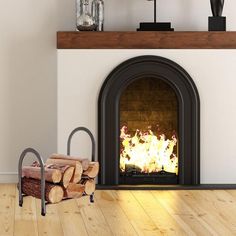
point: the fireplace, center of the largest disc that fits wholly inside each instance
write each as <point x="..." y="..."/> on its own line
<point x="149" y="125"/>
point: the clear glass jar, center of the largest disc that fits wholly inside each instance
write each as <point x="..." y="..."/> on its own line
<point x="98" y="13"/>
<point x="85" y="21"/>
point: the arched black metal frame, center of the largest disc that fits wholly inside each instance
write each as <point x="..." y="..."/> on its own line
<point x="188" y="120"/>
<point x="90" y="135"/>
<point x="78" y="129"/>
<point x="40" y="160"/>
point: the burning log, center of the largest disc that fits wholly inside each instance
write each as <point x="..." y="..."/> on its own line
<point x="74" y="191"/>
<point x="147" y="152"/>
<point x="32" y="187"/>
<point x="84" y="162"/>
<point x="92" y="170"/>
<point x="130" y="168"/>
<point x="73" y="163"/>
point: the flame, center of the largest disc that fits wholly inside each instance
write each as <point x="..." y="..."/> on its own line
<point x="148" y="152"/>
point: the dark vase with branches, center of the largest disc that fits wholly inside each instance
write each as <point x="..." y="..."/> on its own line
<point x="217" y="7"/>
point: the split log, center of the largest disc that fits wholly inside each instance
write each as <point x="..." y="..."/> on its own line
<point x="51" y="175"/>
<point x="89" y="186"/>
<point x="76" y="164"/>
<point x="74" y="191"/>
<point x="66" y="171"/>
<point x="54" y="173"/>
<point x="84" y="162"/>
<point x="93" y="170"/>
<point x="32" y="187"/>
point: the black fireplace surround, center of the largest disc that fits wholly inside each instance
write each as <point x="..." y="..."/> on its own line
<point x="188" y="116"/>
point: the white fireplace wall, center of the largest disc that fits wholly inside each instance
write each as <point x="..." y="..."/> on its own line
<point x="82" y="72"/>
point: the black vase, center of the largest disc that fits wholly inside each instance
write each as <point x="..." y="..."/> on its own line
<point x="217" y="7"/>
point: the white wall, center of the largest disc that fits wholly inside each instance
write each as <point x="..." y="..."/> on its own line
<point x="184" y="14"/>
<point x="28" y="62"/>
<point x="212" y="71"/>
<point x="28" y="77"/>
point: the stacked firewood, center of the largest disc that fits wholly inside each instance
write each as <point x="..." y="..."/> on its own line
<point x="66" y="177"/>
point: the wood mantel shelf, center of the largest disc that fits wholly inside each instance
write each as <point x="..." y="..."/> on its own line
<point x="146" y="40"/>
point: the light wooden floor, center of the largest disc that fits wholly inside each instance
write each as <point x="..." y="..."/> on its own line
<point x="122" y="213"/>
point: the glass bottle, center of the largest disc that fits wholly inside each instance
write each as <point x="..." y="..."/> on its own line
<point x="98" y="13"/>
<point x="78" y="11"/>
<point x="85" y="21"/>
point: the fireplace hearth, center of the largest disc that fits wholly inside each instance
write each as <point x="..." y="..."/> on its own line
<point x="149" y="125"/>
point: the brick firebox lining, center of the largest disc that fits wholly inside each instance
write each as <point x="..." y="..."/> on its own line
<point x="148" y="103"/>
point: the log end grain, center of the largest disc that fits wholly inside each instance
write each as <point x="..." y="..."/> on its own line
<point x="56" y="194"/>
<point x="93" y="170"/>
<point x="67" y="176"/>
<point x="89" y="186"/>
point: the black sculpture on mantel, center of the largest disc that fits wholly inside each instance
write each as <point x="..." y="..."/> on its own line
<point x="155" y="26"/>
<point x="217" y="22"/>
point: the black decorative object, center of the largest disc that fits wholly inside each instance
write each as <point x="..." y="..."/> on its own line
<point x="217" y="22"/>
<point x="188" y="116"/>
<point x="217" y="7"/>
<point x="155" y="26"/>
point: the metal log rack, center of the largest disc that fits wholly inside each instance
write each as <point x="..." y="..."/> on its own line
<point x="41" y="162"/>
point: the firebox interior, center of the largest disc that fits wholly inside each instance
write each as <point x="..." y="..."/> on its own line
<point x="149" y="132"/>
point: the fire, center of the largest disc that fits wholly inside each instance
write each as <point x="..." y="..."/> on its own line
<point x="148" y="152"/>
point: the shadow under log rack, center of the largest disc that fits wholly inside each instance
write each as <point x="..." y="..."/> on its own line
<point x="146" y="40"/>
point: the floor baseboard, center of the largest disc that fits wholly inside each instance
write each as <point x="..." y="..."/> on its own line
<point x="167" y="187"/>
<point x="8" y="177"/>
<point x="12" y="177"/>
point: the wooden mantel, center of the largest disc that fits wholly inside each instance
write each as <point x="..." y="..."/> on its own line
<point x="146" y="40"/>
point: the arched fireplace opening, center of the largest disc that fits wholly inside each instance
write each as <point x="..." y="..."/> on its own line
<point x="149" y="125"/>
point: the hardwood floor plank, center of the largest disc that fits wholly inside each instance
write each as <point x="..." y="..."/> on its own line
<point x="71" y="218"/>
<point x="232" y="193"/>
<point x="25" y="217"/>
<point x="94" y="220"/>
<point x="116" y="218"/>
<point x="142" y="223"/>
<point x="7" y="209"/>
<point x="183" y="213"/>
<point x="210" y="217"/>
<point x="163" y="220"/>
<point x="207" y="201"/>
<point x="50" y="224"/>
<point x="224" y="204"/>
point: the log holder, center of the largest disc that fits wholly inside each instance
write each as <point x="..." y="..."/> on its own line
<point x="41" y="162"/>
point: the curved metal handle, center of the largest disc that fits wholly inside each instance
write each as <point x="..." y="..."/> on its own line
<point x="22" y="156"/>
<point x="90" y="135"/>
